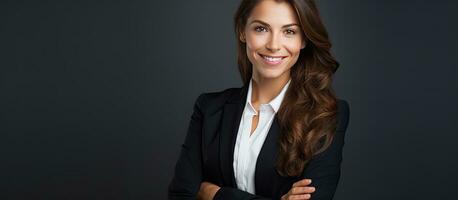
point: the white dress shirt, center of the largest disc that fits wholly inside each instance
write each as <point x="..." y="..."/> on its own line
<point x="247" y="147"/>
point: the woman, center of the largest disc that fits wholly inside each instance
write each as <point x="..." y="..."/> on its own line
<point x="281" y="135"/>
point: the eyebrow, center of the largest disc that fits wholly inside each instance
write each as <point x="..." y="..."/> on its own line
<point x="266" y="24"/>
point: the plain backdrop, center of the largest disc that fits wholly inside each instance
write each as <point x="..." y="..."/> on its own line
<point x="96" y="96"/>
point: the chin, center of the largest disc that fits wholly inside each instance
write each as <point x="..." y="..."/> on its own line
<point x="271" y="73"/>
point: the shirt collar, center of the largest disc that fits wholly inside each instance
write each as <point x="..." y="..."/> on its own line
<point x="274" y="103"/>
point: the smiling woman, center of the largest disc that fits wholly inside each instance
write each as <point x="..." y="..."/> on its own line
<point x="273" y="41"/>
<point x="281" y="135"/>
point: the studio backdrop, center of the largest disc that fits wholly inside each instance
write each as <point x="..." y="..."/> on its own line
<point x="96" y="96"/>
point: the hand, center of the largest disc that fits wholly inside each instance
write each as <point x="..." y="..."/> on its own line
<point x="300" y="190"/>
<point x="207" y="191"/>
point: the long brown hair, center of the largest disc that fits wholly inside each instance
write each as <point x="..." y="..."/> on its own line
<point x="307" y="116"/>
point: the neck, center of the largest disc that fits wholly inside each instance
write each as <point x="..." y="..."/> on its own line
<point x="265" y="89"/>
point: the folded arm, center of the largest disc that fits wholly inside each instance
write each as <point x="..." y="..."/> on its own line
<point x="186" y="181"/>
<point x="324" y="168"/>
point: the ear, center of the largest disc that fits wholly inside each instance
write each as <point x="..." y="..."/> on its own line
<point x="304" y="43"/>
<point x="242" y="37"/>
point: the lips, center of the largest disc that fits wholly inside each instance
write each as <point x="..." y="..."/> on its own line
<point x="272" y="60"/>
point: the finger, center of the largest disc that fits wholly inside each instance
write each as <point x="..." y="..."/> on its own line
<point x="302" y="196"/>
<point x="302" y="182"/>
<point x="302" y="190"/>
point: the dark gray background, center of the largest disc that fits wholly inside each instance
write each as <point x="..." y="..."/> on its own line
<point x="95" y="97"/>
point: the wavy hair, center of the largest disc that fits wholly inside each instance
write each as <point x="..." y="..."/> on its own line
<point x="307" y="116"/>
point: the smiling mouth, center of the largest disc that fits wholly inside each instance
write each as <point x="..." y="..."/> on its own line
<point x="272" y="60"/>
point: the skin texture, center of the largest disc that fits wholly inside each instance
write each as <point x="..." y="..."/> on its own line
<point x="272" y="29"/>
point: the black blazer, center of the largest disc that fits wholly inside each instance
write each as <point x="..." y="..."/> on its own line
<point x="207" y="153"/>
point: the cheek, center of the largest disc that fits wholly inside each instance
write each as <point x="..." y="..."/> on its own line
<point x="294" y="46"/>
<point x="294" y="49"/>
<point x="255" y="42"/>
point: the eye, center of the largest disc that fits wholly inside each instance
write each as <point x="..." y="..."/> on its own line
<point x="290" y="32"/>
<point x="260" y="29"/>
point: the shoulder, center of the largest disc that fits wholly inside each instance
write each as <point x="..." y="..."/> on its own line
<point x="209" y="102"/>
<point x="343" y="114"/>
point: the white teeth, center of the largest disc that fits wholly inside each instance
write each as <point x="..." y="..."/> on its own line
<point x="272" y="59"/>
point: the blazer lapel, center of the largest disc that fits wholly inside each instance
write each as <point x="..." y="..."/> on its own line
<point x="232" y="114"/>
<point x="264" y="175"/>
<point x="265" y="171"/>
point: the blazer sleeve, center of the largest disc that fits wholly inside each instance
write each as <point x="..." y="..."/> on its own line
<point x="324" y="168"/>
<point x="187" y="178"/>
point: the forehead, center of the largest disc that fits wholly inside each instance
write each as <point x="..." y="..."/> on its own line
<point x="273" y="12"/>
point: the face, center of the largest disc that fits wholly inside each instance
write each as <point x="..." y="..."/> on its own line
<point x="273" y="39"/>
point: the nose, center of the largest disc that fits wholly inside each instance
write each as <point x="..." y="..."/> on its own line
<point x="274" y="43"/>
